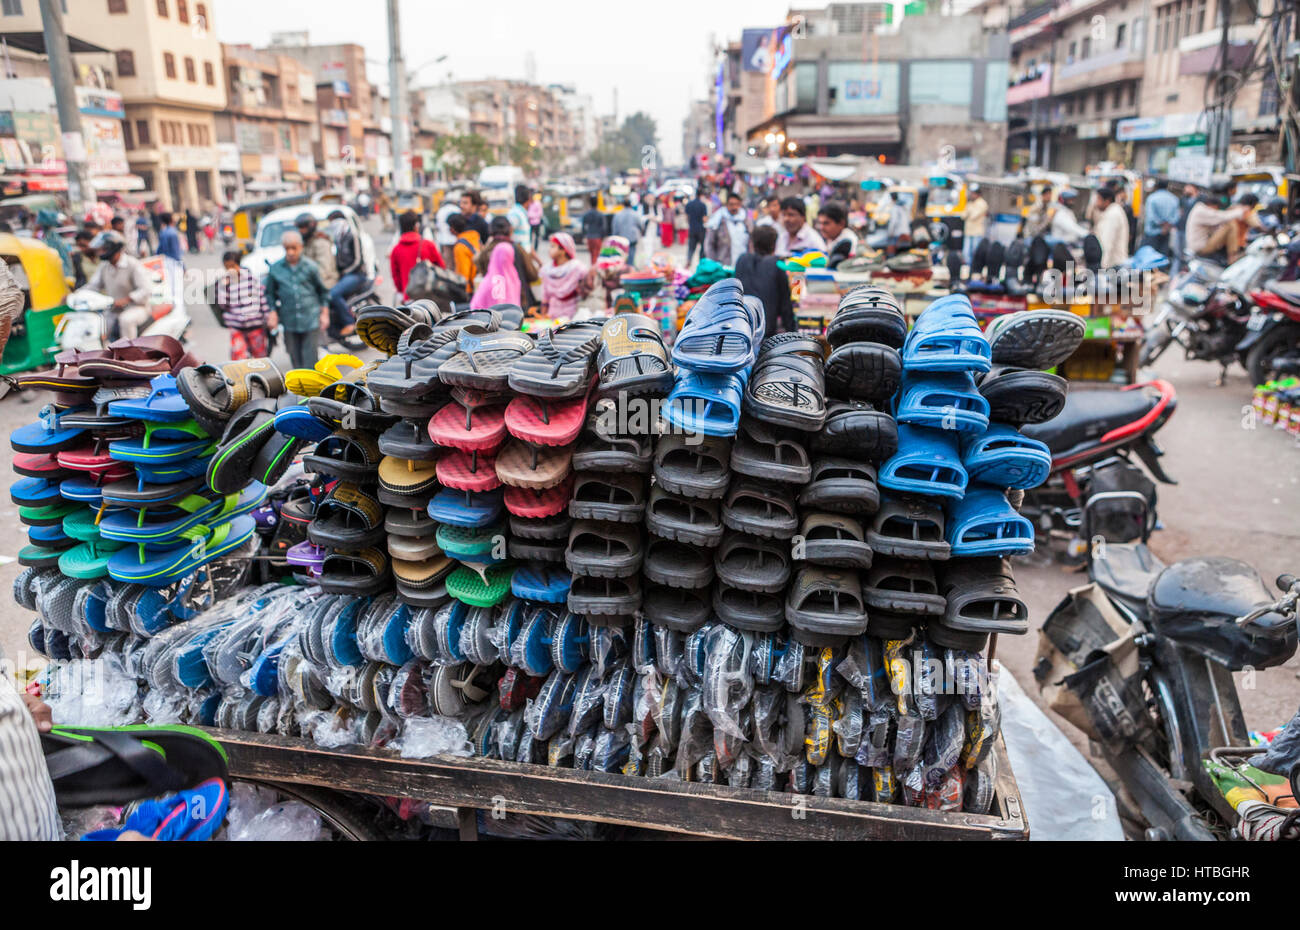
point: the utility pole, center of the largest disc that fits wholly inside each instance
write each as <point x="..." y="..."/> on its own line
<point x="65" y="97"/>
<point x="396" y="101"/>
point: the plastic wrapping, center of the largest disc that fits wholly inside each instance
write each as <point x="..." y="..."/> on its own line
<point x="646" y="696"/>
<point x="969" y="675"/>
<point x="900" y="674"/>
<point x="817" y="733"/>
<point x="330" y="729"/>
<point x="801" y="777"/>
<point x="727" y="683"/>
<point x="982" y="726"/>
<point x="944" y="746"/>
<point x="909" y="742"/>
<point x="978" y="792"/>
<point x="884" y="784"/>
<point x="668" y="715"/>
<point x="927" y="678"/>
<point x="668" y="650"/>
<point x="741" y="771"/>
<point x="874" y="749"/>
<point x="588" y="701"/>
<point x="619" y="695"/>
<point x="610" y="750"/>
<point x="423" y="737"/>
<point x="788" y="670"/>
<point x="257" y="814"/>
<point x="584" y="747"/>
<point x="849" y="721"/>
<point x="94" y="692"/>
<point x="863" y="668"/>
<point x="697" y="733"/>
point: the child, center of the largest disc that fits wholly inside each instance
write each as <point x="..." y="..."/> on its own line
<point x="760" y="276"/>
<point x="564" y="281"/>
<point x="244" y="310"/>
<point x="465" y="249"/>
<point x="501" y="283"/>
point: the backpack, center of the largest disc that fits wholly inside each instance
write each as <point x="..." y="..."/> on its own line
<point x="420" y="283"/>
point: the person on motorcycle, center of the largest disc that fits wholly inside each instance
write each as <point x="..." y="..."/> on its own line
<point x="124" y="279"/>
<point x="352" y="278"/>
<point x="1215" y="225"/>
<point x="1065" y="227"/>
<point x="319" y="247"/>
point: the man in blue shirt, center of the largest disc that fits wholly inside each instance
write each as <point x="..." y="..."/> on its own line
<point x="169" y="240"/>
<point x="627" y="223"/>
<point x="697" y="211"/>
<point x="1160" y="218"/>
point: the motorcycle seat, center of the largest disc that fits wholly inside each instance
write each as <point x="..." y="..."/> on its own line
<point x="1089" y="415"/>
<point x="1126" y="572"/>
<point x="1287" y="290"/>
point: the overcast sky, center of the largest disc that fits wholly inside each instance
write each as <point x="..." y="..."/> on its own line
<point x="655" y="53"/>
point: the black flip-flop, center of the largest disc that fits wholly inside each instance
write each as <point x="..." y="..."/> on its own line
<point x="909" y="529"/>
<point x="868" y="313"/>
<point x="752" y="563"/>
<point x="863" y="371"/>
<point x="603" y="550"/>
<point x="350" y="454"/>
<point x="347" y="518"/>
<point x="825" y="606"/>
<point x="764" y="510"/>
<point x="834" y="540"/>
<point x="693" y="466"/>
<point x="597" y="451"/>
<point x="676" y="565"/>
<point x="694" y="521"/>
<point x="1019" y="396"/>
<point x="763" y="451"/>
<point x="859" y="430"/>
<point x="554" y="527"/>
<point x="903" y="586"/>
<point x="787" y="388"/>
<point x="361" y="572"/>
<point x="682" y="609"/>
<point x="590" y="596"/>
<point x="617" y="497"/>
<point x="982" y="597"/>
<point x="748" y="610"/>
<point x="841" y="485"/>
<point x="409" y="439"/>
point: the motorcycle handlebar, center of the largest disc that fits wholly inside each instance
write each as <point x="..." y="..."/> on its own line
<point x="1286" y="582"/>
<point x="1286" y="604"/>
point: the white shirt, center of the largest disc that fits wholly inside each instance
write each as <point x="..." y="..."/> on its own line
<point x="444" y="234"/>
<point x="1065" y="227"/>
<point x="806" y="239"/>
<point x="736" y="229"/>
<point x="1112" y="233"/>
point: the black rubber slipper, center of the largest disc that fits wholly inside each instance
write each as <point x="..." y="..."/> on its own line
<point x="868" y="313"/>
<point x="693" y="466"/>
<point x="553" y="527"/>
<point x="409" y="439"/>
<point x="748" y="610"/>
<point x="834" y="540"/>
<point x="676" y="565"/>
<point x="1019" y="396"/>
<point x="591" y="596"/>
<point x="604" y="550"/>
<point x="347" y="518"/>
<point x="863" y="371"/>
<point x="599" y="451"/>
<point x="962" y="641"/>
<point x="406" y="521"/>
<point x="841" y="485"/>
<point x="536" y="550"/>
<point x="763" y="451"/>
<point x="694" y="521"/>
<point x="752" y="563"/>
<point x="787" y="388"/>
<point x="903" y="586"/>
<point x="909" y="529"/>
<point x="859" y="430"/>
<point x="616" y="497"/>
<point x="825" y="606"/>
<point x="762" y="509"/>
<point x="682" y="609"/>
<point x="886" y="626"/>
<point x="982" y="597"/>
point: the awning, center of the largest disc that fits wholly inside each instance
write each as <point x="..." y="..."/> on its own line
<point x="117" y="182"/>
<point x="832" y="171"/>
<point x="35" y="42"/>
<point x="843" y="134"/>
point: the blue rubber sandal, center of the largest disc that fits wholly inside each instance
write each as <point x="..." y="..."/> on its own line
<point x="947" y="337"/>
<point x="47" y="434"/>
<point x="721" y="333"/>
<point x="983" y="523"/>
<point x="164" y="403"/>
<point x="466" y="508"/>
<point x="927" y="463"/>
<point x="299" y="422"/>
<point x="157" y="568"/>
<point x="1005" y="458"/>
<point x="34" y="492"/>
<point x="946" y="400"/>
<point x="706" y="403"/>
<point x="163" y="444"/>
<point x="165" y="529"/>
<point x="171" y="472"/>
<point x="539" y="582"/>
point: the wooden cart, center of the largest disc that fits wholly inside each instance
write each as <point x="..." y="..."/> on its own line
<point x="468" y="785"/>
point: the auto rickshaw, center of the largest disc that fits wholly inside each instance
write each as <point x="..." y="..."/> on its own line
<point x="246" y="216"/>
<point x="1264" y="181"/>
<point x="33" y="339"/>
<point x="410" y="201"/>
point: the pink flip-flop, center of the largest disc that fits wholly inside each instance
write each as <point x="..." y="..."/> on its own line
<point x="468" y="471"/>
<point x="527" y="502"/>
<point x="546" y="423"/>
<point x="478" y="430"/>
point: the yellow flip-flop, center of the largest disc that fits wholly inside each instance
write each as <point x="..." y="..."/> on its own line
<point x="309" y="382"/>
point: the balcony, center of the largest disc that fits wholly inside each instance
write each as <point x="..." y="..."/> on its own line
<point x="1199" y="54"/>
<point x="1121" y="64"/>
<point x="1035" y="89"/>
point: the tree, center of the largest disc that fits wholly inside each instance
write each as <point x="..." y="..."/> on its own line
<point x="629" y="145"/>
<point x="467" y="153"/>
<point x="525" y="155"/>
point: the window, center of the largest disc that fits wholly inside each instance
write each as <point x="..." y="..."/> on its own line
<point x="125" y="63"/>
<point x="209" y="75"/>
<point x="201" y="11"/>
<point x="169" y="65"/>
<point x="191" y="74"/>
<point x="1121" y="33"/>
<point x="1086" y="47"/>
<point x="142" y="132"/>
<point x="128" y="137"/>
<point x="942" y="82"/>
<point x="162" y="8"/>
<point x="1101" y="101"/>
<point x="12" y="7"/>
<point x="117" y="6"/>
<point x="182" y="11"/>
<point x="1132" y="93"/>
<point x="1069" y="56"/>
<point x="1115" y="97"/>
<point x="1268" y="95"/>
<point x="866" y="89"/>
<point x="1200" y="15"/>
<point x="1069" y="106"/>
<point x="995" y="99"/>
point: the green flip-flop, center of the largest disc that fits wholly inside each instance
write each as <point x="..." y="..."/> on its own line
<point x="468" y="587"/>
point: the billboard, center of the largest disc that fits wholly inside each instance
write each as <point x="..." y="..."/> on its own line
<point x="756" y="50"/>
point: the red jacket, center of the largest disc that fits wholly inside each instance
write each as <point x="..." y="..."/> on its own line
<point x="410" y="248"/>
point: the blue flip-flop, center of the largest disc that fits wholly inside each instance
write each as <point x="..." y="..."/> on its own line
<point x="396" y="650"/>
<point x="164" y="403"/>
<point x="1004" y="458"/>
<point x="170" y="472"/>
<point x="299" y="422"/>
<point x="195" y="814"/>
<point x="947" y="337"/>
<point x="447" y="624"/>
<point x="721" y="332"/>
<point x="342" y="646"/>
<point x="532" y="646"/>
<point x="164" y="444"/>
<point x="946" y="400"/>
<point x="983" y="523"/>
<point x="34" y="492"/>
<point x="92" y="605"/>
<point x="161" y="567"/>
<point x="47" y="434"/>
<point x="568" y="641"/>
<point x="706" y="403"/>
<point x="164" y="528"/>
<point x="48" y="536"/>
<point x="927" y="462"/>
<point x="538" y="582"/>
<point x="188" y="662"/>
<point x="466" y="508"/>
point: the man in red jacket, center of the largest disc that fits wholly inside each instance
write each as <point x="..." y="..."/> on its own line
<point x="410" y="248"/>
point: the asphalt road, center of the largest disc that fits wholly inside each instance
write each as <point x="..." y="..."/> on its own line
<point x="1238" y="494"/>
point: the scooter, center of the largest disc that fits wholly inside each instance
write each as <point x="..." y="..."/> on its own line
<point x="1094" y="441"/>
<point x="1149" y="654"/>
<point x="89" y="325"/>
<point x="1271" y="345"/>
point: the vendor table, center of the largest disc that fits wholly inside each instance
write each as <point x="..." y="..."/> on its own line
<point x="716" y="811"/>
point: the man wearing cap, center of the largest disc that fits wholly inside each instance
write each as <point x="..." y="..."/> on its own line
<point x="124" y="279"/>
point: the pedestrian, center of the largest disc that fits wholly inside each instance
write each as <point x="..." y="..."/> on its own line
<point x="169" y="240"/>
<point x="833" y="226"/>
<point x="295" y="294"/>
<point x="11" y="303"/>
<point x="410" y="249"/>
<point x="564" y="280"/>
<point x="975" y="222"/>
<point x="1160" y="218"/>
<point x="518" y="217"/>
<point x="664" y="214"/>
<point x="526" y="264"/>
<point x="535" y="216"/>
<point x="1111" y="229"/>
<point x="472" y="205"/>
<point x="697" y="212"/>
<point x="501" y="283"/>
<point x="464" y="249"/>
<point x="727" y="232"/>
<point x="85" y="257"/>
<point x="795" y="235"/>
<point x="118" y="225"/>
<point x="28" y="810"/>
<point x="627" y="223"/>
<point x="352" y="278"/>
<point x="191" y="231"/>
<point x="442" y="231"/>
<point x="124" y="279"/>
<point x="681" y="223"/>
<point x="319" y="247"/>
<point x="384" y="207"/>
<point x="771" y="214"/>
<point x="244" y="311"/>
<point x="898" y="231"/>
<point x="142" y="226"/>
<point x="593" y="228"/>
<point x="760" y="275"/>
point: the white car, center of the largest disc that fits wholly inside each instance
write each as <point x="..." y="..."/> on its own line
<point x="273" y="226"/>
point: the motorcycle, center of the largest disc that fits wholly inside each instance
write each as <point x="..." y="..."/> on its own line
<point x="1142" y="661"/>
<point x="1094" y="442"/>
<point x="1271" y="345"/>
<point x="89" y="324"/>
<point x="1207" y="309"/>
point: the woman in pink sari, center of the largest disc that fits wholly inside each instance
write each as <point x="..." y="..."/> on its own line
<point x="500" y="285"/>
<point x="564" y="280"/>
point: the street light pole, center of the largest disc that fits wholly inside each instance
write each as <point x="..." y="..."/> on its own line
<point x="65" y="97"/>
<point x="396" y="101"/>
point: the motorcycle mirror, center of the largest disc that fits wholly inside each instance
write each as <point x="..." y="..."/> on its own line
<point x="1286" y="582"/>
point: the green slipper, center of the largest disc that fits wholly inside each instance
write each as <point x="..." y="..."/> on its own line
<point x="467" y="543"/>
<point x="49" y="514"/>
<point x="88" y="559"/>
<point x="467" y="586"/>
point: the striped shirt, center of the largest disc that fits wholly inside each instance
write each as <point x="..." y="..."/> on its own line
<point x="27" y="807"/>
<point x="243" y="299"/>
